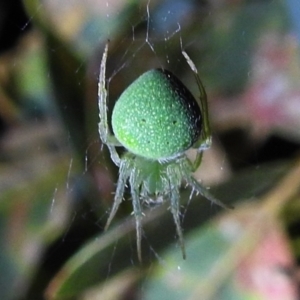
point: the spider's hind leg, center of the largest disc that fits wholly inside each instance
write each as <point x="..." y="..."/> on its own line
<point x="187" y="168"/>
<point x="135" y="183"/>
<point x="204" y="192"/>
<point x="174" y="175"/>
<point x="175" y="209"/>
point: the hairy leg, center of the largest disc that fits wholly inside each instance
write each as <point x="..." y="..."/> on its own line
<point x="135" y="183"/>
<point x="205" y="142"/>
<point x="187" y="170"/>
<point x="204" y="192"/>
<point x="205" y="138"/>
<point x="175" y="177"/>
<point x="103" y="128"/>
<point x="124" y="173"/>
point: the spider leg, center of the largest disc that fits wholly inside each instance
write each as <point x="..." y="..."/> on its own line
<point x="135" y="184"/>
<point x="205" y="142"/>
<point x="175" y="209"/>
<point x="205" y="139"/>
<point x="204" y="192"/>
<point x="175" y="176"/>
<point x="124" y="173"/>
<point x="198" y="160"/>
<point x="103" y="128"/>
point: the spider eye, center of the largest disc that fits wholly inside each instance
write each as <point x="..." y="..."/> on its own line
<point x="157" y="107"/>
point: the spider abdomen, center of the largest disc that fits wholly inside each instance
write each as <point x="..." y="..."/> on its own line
<point x="156" y="117"/>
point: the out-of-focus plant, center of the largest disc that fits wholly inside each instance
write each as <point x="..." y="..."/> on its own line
<point x="57" y="180"/>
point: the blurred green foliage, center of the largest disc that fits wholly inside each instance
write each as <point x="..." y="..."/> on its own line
<point x="57" y="181"/>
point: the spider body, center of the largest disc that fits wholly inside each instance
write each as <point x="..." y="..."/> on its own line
<point x="156" y="119"/>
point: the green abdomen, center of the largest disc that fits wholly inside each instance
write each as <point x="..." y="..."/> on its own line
<point x="156" y="116"/>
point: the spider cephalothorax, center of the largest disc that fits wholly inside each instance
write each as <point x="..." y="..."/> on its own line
<point x="156" y="119"/>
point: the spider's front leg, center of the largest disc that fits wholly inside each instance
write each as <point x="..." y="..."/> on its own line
<point x="205" y="139"/>
<point x="103" y="128"/>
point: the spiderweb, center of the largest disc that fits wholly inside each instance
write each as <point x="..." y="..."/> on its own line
<point x="153" y="37"/>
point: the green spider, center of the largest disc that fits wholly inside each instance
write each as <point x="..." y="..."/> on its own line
<point x="156" y="119"/>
